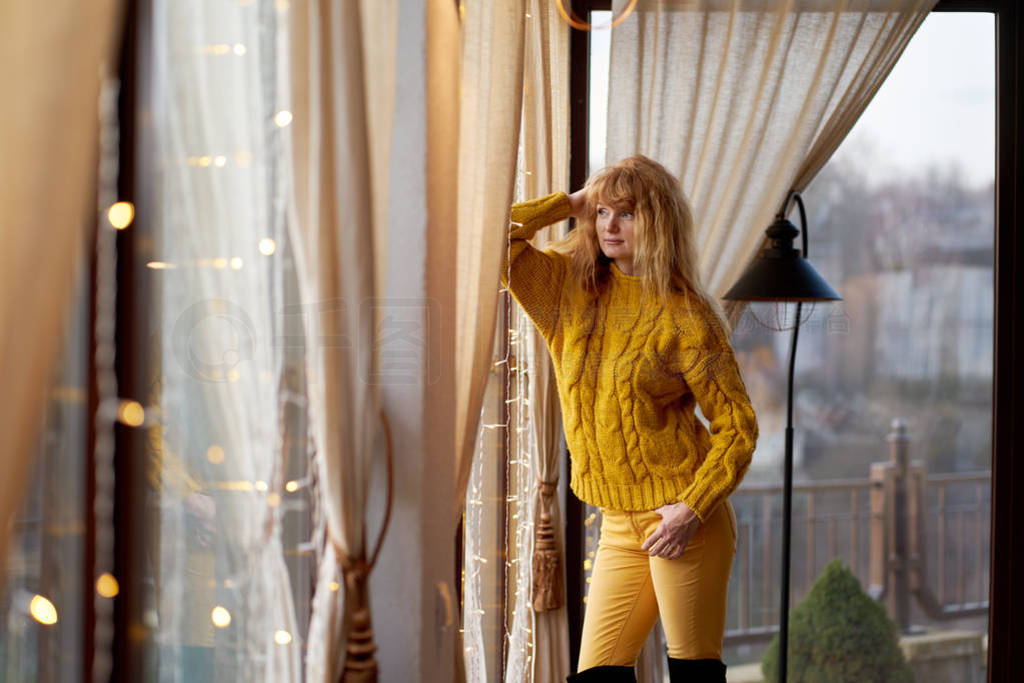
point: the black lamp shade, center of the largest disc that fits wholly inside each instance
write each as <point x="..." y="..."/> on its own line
<point x="780" y="273"/>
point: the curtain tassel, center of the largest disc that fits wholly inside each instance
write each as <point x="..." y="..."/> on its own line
<point x="548" y="591"/>
<point x="548" y="576"/>
<point x="360" y="663"/>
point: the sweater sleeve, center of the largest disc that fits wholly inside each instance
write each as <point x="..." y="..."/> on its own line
<point x="535" y="277"/>
<point x="709" y="368"/>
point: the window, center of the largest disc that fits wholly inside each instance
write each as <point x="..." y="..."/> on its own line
<point x="901" y="223"/>
<point x="47" y="585"/>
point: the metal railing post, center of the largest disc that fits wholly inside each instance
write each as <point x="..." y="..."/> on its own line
<point x="899" y="596"/>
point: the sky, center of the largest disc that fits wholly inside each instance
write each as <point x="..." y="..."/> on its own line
<point x="937" y="107"/>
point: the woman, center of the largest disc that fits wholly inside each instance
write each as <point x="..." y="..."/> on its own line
<point x="636" y="343"/>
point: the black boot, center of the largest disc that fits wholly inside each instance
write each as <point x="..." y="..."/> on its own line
<point x="605" y="674"/>
<point x="696" y="671"/>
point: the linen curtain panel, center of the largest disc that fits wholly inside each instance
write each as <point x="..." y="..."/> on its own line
<point x="489" y="117"/>
<point x="214" y="461"/>
<point x="53" y="59"/>
<point x="490" y="111"/>
<point x="545" y="169"/>
<point x="342" y="89"/>
<point x="743" y="100"/>
<point x="535" y="642"/>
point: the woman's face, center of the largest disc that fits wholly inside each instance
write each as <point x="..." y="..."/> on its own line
<point x="615" y="231"/>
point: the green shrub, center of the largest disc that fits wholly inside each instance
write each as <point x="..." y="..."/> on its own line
<point x="838" y="634"/>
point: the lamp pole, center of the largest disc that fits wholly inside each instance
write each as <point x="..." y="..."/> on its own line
<point x="782" y="273"/>
<point x="787" y="502"/>
<point x="787" y="467"/>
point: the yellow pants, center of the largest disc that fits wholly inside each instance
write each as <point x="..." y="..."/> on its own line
<point x="629" y="589"/>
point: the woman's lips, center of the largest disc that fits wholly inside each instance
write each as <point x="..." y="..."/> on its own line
<point x="613" y="241"/>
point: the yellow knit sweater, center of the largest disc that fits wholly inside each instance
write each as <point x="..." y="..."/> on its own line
<point x="629" y="371"/>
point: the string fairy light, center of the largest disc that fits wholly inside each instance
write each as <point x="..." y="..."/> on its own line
<point x="111" y="407"/>
<point x="121" y="214"/>
<point x="220" y="616"/>
<point x="472" y="570"/>
<point x="520" y="459"/>
<point x="107" y="586"/>
<point x="42" y="610"/>
<point x="515" y="569"/>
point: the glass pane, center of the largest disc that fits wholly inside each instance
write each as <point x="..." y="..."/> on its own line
<point x="45" y="573"/>
<point x="229" y="523"/>
<point x="901" y="225"/>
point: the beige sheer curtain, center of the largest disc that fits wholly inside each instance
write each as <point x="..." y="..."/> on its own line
<point x="546" y="169"/>
<point x="491" y="105"/>
<point x="342" y="87"/>
<point x="53" y="58"/>
<point x="744" y="99"/>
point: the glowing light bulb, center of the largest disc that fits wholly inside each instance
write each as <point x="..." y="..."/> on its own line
<point x="220" y="161"/>
<point x="215" y="454"/>
<point x="239" y="49"/>
<point x="334" y="586"/>
<point x="220" y="262"/>
<point x="220" y="617"/>
<point x="283" y="118"/>
<point x="205" y="161"/>
<point x="131" y="413"/>
<point x="107" y="586"/>
<point x="273" y="499"/>
<point x="160" y="265"/>
<point x="260" y="485"/>
<point x="121" y="214"/>
<point x="236" y="263"/>
<point x="292" y="486"/>
<point x="42" y="610"/>
<point x="282" y="637"/>
<point x="267" y="246"/>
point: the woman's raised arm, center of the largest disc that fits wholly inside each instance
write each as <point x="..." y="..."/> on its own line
<point x="536" y="277"/>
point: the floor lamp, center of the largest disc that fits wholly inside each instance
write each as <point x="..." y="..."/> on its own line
<point x="783" y="274"/>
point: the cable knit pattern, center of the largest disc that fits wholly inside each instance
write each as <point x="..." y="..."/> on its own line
<point x="630" y="372"/>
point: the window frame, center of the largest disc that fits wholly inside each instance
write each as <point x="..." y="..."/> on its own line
<point x="1007" y="559"/>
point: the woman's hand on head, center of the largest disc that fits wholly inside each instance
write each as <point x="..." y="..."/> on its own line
<point x="678" y="525"/>
<point x="578" y="202"/>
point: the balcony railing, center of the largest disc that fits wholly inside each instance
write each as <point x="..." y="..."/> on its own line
<point x="918" y="542"/>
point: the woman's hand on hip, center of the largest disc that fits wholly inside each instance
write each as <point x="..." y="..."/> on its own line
<point x="678" y="525"/>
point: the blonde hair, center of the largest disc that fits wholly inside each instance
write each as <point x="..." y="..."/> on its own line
<point x="664" y="233"/>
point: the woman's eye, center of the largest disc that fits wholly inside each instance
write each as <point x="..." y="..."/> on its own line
<point x="627" y="214"/>
<point x="601" y="212"/>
